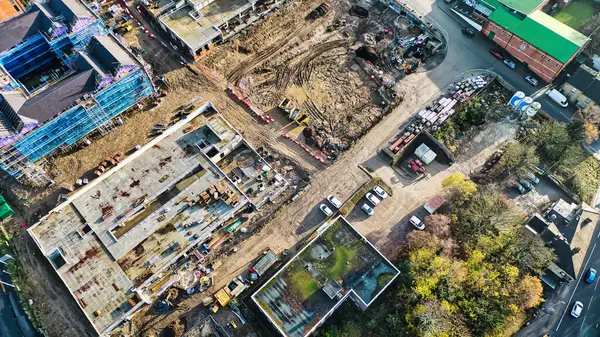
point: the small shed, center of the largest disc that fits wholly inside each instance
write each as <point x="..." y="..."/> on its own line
<point x="434" y="203"/>
<point x="5" y="209"/>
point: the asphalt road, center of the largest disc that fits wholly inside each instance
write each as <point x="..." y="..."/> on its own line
<point x="588" y="323"/>
<point x="474" y="53"/>
<point x="13" y="321"/>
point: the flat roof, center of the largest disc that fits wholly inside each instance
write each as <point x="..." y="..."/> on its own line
<point x="196" y="32"/>
<point x="302" y="294"/>
<point x="117" y="232"/>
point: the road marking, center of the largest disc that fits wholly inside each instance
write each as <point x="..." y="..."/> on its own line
<point x="596" y="286"/>
<point x="598" y="235"/>
<point x="582" y="324"/>
<point x="589" y="305"/>
<point x="574" y="290"/>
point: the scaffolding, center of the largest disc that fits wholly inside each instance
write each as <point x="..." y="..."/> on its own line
<point x="92" y="112"/>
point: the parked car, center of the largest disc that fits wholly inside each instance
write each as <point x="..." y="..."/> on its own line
<point x="510" y="64"/>
<point x="577" y="309"/>
<point x="591" y="275"/>
<point x="326" y="210"/>
<point x="367" y="209"/>
<point x="380" y="192"/>
<point x="531" y="176"/>
<point x="532" y="80"/>
<point x="416" y="222"/>
<point x="520" y="188"/>
<point x="372" y="199"/>
<point x="525" y="183"/>
<point x="334" y="201"/>
<point x="559" y="98"/>
<point x="497" y="54"/>
<point x="468" y="32"/>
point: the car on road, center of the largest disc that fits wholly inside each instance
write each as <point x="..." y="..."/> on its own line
<point x="591" y="275"/>
<point x="416" y="222"/>
<point x="367" y="209"/>
<point x="373" y="199"/>
<point x="526" y="184"/>
<point x="468" y="32"/>
<point x="520" y="188"/>
<point x="510" y="64"/>
<point x="497" y="54"/>
<point x="326" y="210"/>
<point x="577" y="309"/>
<point x="334" y="201"/>
<point x="532" y="80"/>
<point x="380" y="192"/>
<point x="557" y="97"/>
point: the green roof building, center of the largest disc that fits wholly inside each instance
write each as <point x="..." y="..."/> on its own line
<point x="540" y="42"/>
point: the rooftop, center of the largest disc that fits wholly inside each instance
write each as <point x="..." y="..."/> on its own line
<point x="523" y="6"/>
<point x="197" y="28"/>
<point x="135" y="220"/>
<point x="587" y="80"/>
<point x="542" y="31"/>
<point x="338" y="263"/>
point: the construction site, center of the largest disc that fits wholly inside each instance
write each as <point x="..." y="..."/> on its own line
<point x="339" y="65"/>
<point x="118" y="243"/>
<point x="327" y="77"/>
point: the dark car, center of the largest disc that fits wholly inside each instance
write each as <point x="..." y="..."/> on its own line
<point x="468" y="32"/>
<point x="497" y="54"/>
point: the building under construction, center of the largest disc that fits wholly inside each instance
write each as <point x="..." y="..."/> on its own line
<point x="62" y="76"/>
<point x="197" y="25"/>
<point x="116" y="242"/>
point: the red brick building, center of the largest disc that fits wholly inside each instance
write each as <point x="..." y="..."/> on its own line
<point x="540" y="42"/>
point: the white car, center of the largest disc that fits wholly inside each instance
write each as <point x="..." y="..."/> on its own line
<point x="416" y="222"/>
<point x="326" y="210"/>
<point x="380" y="192"/>
<point x="372" y="199"/>
<point x="334" y="201"/>
<point x="577" y="308"/>
<point x="367" y="209"/>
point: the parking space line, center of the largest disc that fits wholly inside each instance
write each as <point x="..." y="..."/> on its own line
<point x="582" y="323"/>
<point x="589" y="305"/>
<point x="596" y="286"/>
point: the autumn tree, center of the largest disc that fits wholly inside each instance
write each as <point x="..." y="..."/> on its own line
<point x="516" y="161"/>
<point x="591" y="133"/>
<point x="438" y="225"/>
<point x="458" y="188"/>
<point x="529" y="292"/>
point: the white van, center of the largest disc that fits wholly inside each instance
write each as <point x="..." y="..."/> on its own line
<point x="558" y="97"/>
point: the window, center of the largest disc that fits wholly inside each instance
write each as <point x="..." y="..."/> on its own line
<point x="556" y="65"/>
<point x="495" y="29"/>
<point x="549" y="59"/>
<point x="588" y="100"/>
<point x="502" y="32"/>
<point x="508" y="35"/>
<point x="573" y="90"/>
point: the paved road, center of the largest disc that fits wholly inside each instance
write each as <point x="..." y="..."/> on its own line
<point x="474" y="53"/>
<point x="587" y="324"/>
<point x="13" y="321"/>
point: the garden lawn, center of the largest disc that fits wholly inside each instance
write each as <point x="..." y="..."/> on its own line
<point x="343" y="262"/>
<point x="577" y="13"/>
<point x="304" y="283"/>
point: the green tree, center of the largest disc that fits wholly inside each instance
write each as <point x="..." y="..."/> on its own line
<point x="552" y="139"/>
<point x="576" y="130"/>
<point x="458" y="188"/>
<point x="516" y="161"/>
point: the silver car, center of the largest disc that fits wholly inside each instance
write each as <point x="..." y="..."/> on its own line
<point x="373" y="199"/>
<point x="577" y="309"/>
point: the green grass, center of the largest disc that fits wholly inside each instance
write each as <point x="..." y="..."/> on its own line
<point x="303" y="282"/>
<point x="577" y="13"/>
<point x="343" y="262"/>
